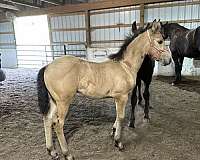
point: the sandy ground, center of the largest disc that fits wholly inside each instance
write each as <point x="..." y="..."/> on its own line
<point x="172" y="134"/>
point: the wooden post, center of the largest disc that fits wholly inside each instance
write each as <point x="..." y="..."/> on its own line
<point x="50" y="37"/>
<point x="141" y="15"/>
<point x="88" y="31"/>
<point x="65" y="50"/>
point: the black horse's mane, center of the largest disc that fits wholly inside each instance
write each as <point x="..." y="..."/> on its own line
<point x="176" y="25"/>
<point x="120" y="54"/>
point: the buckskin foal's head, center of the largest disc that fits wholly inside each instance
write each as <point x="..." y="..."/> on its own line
<point x="151" y="43"/>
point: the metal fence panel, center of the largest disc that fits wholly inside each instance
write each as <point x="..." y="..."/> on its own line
<point x="7" y="45"/>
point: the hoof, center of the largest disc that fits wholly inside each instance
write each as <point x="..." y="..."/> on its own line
<point x="56" y="157"/>
<point x="175" y="82"/>
<point x="53" y="154"/>
<point x="69" y="157"/>
<point x="140" y="103"/>
<point x="150" y="107"/>
<point x="131" y="125"/>
<point x="119" y="145"/>
<point x="113" y="132"/>
<point x="146" y="119"/>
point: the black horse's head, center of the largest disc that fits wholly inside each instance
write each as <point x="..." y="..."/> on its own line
<point x="137" y="31"/>
<point x="165" y="30"/>
<point x="169" y="30"/>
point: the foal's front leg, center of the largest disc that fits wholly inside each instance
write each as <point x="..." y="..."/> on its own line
<point x="118" y="125"/>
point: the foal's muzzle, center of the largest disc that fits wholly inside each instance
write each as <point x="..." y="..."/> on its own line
<point x="165" y="58"/>
<point x="161" y="55"/>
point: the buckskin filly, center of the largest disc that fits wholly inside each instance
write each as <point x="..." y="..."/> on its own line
<point x="64" y="77"/>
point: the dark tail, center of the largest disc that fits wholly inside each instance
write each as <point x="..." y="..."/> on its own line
<point x="2" y="75"/>
<point x="43" y="97"/>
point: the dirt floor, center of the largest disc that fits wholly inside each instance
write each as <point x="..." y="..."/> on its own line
<point x="172" y="134"/>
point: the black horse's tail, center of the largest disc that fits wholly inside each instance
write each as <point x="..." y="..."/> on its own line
<point x="2" y="75"/>
<point x="196" y="35"/>
<point x="43" y="97"/>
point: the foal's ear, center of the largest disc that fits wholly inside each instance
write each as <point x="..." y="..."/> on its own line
<point x="134" y="27"/>
<point x="156" y="27"/>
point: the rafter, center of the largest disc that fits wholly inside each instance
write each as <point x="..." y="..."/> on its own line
<point x="25" y="4"/>
<point x="51" y="2"/>
<point x="70" y="8"/>
<point x="10" y="7"/>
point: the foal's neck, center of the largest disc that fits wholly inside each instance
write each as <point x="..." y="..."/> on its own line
<point x="136" y="52"/>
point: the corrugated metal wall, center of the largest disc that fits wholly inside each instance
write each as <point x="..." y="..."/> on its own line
<point x="69" y="30"/>
<point x="110" y="26"/>
<point x="185" y="13"/>
<point x="7" y="45"/>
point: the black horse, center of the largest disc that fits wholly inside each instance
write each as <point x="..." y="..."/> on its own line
<point x="183" y="43"/>
<point x="144" y="74"/>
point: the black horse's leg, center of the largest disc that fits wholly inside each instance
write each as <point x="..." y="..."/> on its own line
<point x="133" y="104"/>
<point x="146" y="98"/>
<point x="138" y="82"/>
<point x="180" y="66"/>
<point x="177" y="69"/>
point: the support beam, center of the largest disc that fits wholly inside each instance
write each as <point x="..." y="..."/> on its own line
<point x="88" y="31"/>
<point x="7" y="6"/>
<point x="142" y="15"/>
<point x="89" y="6"/>
<point x="51" y="2"/>
<point x="22" y="4"/>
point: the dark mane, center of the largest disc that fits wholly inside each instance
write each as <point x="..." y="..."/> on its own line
<point x="176" y="25"/>
<point x="120" y="54"/>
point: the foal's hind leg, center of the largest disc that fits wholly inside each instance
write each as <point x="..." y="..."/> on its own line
<point x="48" y="122"/>
<point x="120" y="110"/>
<point x="62" y="110"/>
<point x="146" y="98"/>
<point x="133" y="104"/>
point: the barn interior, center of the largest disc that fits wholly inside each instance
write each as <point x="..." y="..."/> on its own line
<point x="35" y="32"/>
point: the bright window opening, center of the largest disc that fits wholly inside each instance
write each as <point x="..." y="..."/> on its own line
<point x="32" y="40"/>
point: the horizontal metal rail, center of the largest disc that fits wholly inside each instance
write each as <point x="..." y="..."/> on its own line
<point x="30" y="55"/>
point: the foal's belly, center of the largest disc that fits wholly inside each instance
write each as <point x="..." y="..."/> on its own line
<point x="101" y="91"/>
<point x="92" y="89"/>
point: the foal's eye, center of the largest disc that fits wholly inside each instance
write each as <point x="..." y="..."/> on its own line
<point x="160" y="42"/>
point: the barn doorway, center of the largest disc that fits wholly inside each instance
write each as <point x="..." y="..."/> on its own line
<point x="32" y="41"/>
